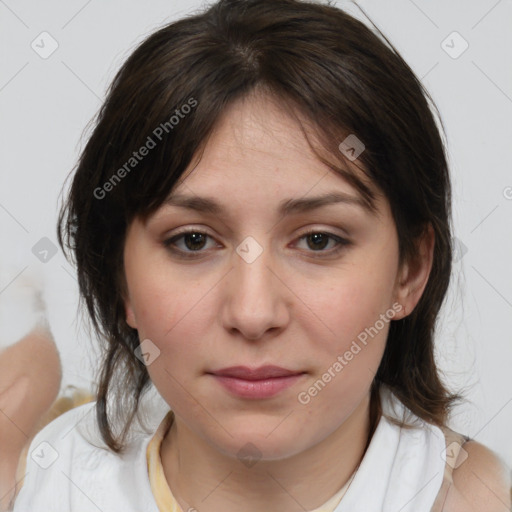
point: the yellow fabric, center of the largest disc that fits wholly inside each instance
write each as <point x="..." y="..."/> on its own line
<point x="161" y="491"/>
<point x="163" y="495"/>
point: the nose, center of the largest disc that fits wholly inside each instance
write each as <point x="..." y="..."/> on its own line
<point x="256" y="300"/>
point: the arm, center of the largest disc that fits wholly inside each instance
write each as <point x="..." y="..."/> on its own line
<point x="30" y="376"/>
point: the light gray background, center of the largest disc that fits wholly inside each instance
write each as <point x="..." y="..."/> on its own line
<point x="45" y="105"/>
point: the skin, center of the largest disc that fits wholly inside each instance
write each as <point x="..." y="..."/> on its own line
<point x="30" y="377"/>
<point x="482" y="482"/>
<point x="298" y="305"/>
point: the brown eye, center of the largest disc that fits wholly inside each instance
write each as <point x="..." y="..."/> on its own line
<point x="194" y="241"/>
<point x="317" y="241"/>
<point x="187" y="242"/>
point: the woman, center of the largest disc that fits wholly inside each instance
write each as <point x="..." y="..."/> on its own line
<point x="261" y="226"/>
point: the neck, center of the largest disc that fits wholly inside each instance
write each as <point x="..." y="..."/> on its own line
<point x="202" y="478"/>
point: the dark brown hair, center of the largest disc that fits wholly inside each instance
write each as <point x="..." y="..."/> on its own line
<point x="334" y="72"/>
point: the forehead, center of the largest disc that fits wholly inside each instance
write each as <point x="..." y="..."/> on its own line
<point x="259" y="149"/>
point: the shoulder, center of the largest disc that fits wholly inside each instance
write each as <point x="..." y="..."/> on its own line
<point x="68" y="427"/>
<point x="50" y="451"/>
<point x="481" y="482"/>
<point x="68" y="462"/>
<point x="61" y="432"/>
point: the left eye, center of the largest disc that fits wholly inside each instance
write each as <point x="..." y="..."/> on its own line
<point x="318" y="240"/>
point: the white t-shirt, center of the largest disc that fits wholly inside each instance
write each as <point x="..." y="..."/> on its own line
<point x="70" y="470"/>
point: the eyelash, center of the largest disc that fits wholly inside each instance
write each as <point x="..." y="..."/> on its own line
<point x="170" y="242"/>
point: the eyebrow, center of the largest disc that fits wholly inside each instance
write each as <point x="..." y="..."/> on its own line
<point x="286" y="207"/>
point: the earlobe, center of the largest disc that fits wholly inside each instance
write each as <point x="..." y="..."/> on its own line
<point x="414" y="274"/>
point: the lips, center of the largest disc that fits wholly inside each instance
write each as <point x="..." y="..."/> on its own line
<point x="261" y="373"/>
<point x="260" y="383"/>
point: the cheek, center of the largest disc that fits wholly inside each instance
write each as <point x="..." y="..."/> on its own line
<point x="348" y="338"/>
<point x="347" y="322"/>
<point x="346" y="305"/>
<point x="163" y="300"/>
<point x="174" y="311"/>
<point x="172" y="321"/>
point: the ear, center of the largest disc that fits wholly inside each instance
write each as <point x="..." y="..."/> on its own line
<point x="130" y="315"/>
<point x="125" y="297"/>
<point x="413" y="276"/>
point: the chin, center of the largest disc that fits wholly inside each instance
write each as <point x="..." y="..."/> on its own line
<point x="251" y="447"/>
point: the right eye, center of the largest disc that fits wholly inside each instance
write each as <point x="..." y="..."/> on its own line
<point x="187" y="242"/>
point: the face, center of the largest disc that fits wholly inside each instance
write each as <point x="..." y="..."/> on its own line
<point x="312" y="291"/>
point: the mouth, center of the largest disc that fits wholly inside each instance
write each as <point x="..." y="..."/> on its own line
<point x="256" y="383"/>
